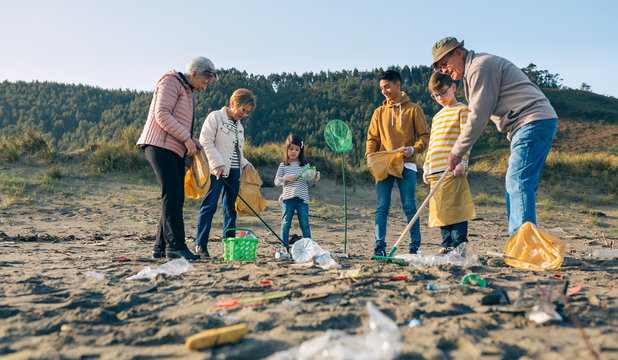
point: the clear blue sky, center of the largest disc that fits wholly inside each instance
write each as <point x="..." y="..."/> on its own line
<point x="128" y="44"/>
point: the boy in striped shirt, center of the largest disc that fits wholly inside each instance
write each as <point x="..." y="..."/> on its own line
<point x="451" y="206"/>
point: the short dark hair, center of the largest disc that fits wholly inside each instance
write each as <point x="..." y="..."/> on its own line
<point x="390" y="75"/>
<point x="438" y="80"/>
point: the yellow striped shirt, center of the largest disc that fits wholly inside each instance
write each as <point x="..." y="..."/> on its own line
<point x="445" y="128"/>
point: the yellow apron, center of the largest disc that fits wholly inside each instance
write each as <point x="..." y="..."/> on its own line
<point x="452" y="202"/>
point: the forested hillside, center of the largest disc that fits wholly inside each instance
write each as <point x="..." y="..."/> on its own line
<point x="73" y="116"/>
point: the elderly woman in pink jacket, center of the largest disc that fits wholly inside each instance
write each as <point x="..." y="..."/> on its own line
<point x="167" y="139"/>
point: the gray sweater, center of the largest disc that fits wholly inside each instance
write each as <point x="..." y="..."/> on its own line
<point x="496" y="89"/>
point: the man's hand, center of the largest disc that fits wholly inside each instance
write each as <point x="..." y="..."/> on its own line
<point x="460" y="170"/>
<point x="452" y="161"/>
<point x="408" y="151"/>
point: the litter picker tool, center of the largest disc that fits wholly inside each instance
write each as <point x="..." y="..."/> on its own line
<point x="339" y="138"/>
<point x="389" y="258"/>
<point x="250" y="208"/>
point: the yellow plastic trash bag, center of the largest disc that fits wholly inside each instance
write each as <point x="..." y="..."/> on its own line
<point x="529" y="248"/>
<point x="250" y="183"/>
<point x="451" y="203"/>
<point x="197" y="178"/>
<point x="381" y="164"/>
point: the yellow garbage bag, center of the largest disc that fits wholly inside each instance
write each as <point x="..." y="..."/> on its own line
<point x="197" y="178"/>
<point x="451" y="203"/>
<point x="381" y="164"/>
<point x="529" y="248"/>
<point x="250" y="183"/>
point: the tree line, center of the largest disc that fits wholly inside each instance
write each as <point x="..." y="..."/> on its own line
<point x="75" y="116"/>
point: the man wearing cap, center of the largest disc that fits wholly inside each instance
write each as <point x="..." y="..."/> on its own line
<point x="496" y="89"/>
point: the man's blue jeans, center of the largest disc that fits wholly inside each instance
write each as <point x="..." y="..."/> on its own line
<point x="529" y="148"/>
<point x="209" y="206"/>
<point x="287" y="214"/>
<point x="407" y="190"/>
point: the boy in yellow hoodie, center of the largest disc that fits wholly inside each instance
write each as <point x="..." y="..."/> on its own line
<point x="397" y="124"/>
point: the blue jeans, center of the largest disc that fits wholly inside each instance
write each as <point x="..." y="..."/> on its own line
<point x="209" y="206"/>
<point x="455" y="234"/>
<point x="287" y="213"/>
<point x="529" y="147"/>
<point x="407" y="190"/>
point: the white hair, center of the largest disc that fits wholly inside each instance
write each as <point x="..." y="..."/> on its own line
<point x="202" y="66"/>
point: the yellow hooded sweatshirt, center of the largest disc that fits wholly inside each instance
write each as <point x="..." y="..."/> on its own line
<point x="394" y="125"/>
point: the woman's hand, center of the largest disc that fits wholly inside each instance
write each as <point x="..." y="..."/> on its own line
<point x="191" y="147"/>
<point x="290" y="178"/>
<point x="197" y="143"/>
<point x="460" y="170"/>
<point x="218" y="171"/>
<point x="408" y="151"/>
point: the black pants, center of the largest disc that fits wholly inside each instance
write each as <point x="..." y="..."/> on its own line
<point x="170" y="171"/>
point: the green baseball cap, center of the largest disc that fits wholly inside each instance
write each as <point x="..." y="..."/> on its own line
<point x="443" y="47"/>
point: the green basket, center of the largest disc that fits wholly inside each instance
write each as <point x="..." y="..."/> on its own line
<point x="239" y="249"/>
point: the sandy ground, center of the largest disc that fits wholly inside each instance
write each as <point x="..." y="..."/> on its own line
<point x="49" y="308"/>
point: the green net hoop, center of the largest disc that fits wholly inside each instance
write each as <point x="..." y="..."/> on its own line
<point x="338" y="136"/>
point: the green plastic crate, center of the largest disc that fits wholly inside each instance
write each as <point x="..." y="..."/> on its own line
<point x="239" y="249"/>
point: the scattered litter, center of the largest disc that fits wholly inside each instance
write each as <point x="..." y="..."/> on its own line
<point x="557" y="276"/>
<point x="460" y="256"/>
<point x="174" y="267"/>
<point x="414" y="323"/>
<point x="543" y="312"/>
<point x="572" y="251"/>
<point x="494" y="253"/>
<point x="605" y="254"/>
<point x="216" y="337"/>
<point x="352" y="273"/>
<point x="96" y="275"/>
<point x="253" y="300"/>
<point x="438" y="286"/>
<point x="306" y="250"/>
<point x="222" y="315"/>
<point x="473" y="279"/>
<point x="267" y="282"/>
<point x="316" y="292"/>
<point x="496" y="297"/>
<point x="123" y="258"/>
<point x="573" y="290"/>
<point x="381" y="341"/>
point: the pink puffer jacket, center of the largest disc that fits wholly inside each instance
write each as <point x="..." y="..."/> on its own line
<point x="170" y="116"/>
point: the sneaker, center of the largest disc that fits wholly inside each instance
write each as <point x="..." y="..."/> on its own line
<point x="413" y="251"/>
<point x="185" y="253"/>
<point x="445" y="250"/>
<point x="202" y="250"/>
<point x="157" y="254"/>
<point x="379" y="252"/>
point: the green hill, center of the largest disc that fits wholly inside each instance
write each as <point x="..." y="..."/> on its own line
<point x="74" y="116"/>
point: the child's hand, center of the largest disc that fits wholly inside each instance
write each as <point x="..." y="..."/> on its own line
<point x="317" y="177"/>
<point x="290" y="178"/>
<point x="425" y="177"/>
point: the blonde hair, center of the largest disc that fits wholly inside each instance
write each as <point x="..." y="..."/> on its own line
<point x="242" y="97"/>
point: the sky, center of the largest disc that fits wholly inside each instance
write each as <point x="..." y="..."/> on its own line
<point x="128" y="44"/>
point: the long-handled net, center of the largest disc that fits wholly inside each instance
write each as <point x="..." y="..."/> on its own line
<point x="339" y="138"/>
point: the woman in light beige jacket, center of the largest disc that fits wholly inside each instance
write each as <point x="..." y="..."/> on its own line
<point x="166" y="139"/>
<point x="223" y="139"/>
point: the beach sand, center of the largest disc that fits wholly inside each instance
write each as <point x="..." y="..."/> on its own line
<point x="50" y="308"/>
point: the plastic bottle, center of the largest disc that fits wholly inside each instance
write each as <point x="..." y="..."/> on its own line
<point x="414" y="323"/>
<point x="607" y="254"/>
<point x="241" y="235"/>
<point x="247" y="235"/>
<point x="438" y="286"/>
<point x="282" y="255"/>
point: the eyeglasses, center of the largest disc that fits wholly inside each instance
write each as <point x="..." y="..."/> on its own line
<point x="441" y="93"/>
